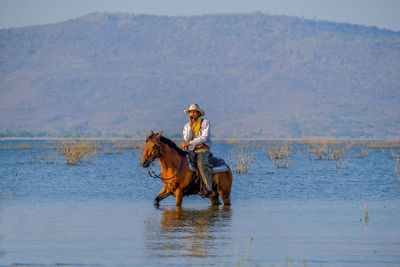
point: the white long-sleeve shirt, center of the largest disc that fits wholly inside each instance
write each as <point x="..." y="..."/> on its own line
<point x="203" y="136"/>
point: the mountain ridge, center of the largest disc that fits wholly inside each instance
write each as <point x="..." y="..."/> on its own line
<point x="256" y="75"/>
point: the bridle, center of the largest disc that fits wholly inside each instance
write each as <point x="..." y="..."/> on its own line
<point x="154" y="175"/>
<point x="157" y="154"/>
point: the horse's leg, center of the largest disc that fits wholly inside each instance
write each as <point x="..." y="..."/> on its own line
<point x="224" y="188"/>
<point x="163" y="194"/>
<point x="214" y="198"/>
<point x="179" y="197"/>
<point x="226" y="198"/>
<point x="161" y="197"/>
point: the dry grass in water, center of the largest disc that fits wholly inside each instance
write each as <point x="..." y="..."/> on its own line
<point x="136" y="146"/>
<point x="359" y="149"/>
<point x="365" y="213"/>
<point x="396" y="162"/>
<point x="385" y="144"/>
<point x="279" y="154"/>
<point x="75" y="150"/>
<point x="363" y="153"/>
<point x="338" y="152"/>
<point x="21" y="146"/>
<point x="117" y="146"/>
<point x="242" y="157"/>
<point x="233" y="142"/>
<point x="5" y="147"/>
<point x="49" y="157"/>
<point x="132" y="144"/>
<point x="32" y="159"/>
<point x="325" y="150"/>
<point x="107" y="150"/>
<point x="328" y="150"/>
<point x="320" y="149"/>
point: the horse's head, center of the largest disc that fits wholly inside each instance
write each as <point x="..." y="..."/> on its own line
<point x="152" y="149"/>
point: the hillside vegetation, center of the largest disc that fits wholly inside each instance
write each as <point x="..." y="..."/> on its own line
<point x="256" y="76"/>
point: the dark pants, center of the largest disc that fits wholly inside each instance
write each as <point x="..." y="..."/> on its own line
<point x="204" y="167"/>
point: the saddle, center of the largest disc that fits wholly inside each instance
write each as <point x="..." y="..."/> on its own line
<point x="216" y="164"/>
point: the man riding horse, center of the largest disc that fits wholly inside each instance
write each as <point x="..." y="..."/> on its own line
<point x="196" y="134"/>
<point x="176" y="173"/>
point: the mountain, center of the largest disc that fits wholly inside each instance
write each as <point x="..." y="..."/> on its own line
<point x="255" y="75"/>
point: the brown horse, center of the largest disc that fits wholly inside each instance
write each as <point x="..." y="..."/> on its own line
<point x="176" y="175"/>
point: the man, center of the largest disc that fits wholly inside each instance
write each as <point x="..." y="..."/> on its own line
<point x="196" y="134"/>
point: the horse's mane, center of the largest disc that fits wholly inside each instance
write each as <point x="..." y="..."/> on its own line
<point x="168" y="142"/>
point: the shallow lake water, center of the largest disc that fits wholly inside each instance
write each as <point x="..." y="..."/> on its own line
<point x="102" y="214"/>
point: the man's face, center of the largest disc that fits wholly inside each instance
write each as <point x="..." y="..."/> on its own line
<point x="194" y="114"/>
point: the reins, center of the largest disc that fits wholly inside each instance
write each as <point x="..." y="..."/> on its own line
<point x="154" y="175"/>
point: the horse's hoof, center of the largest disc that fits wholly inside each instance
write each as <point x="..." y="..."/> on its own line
<point x="156" y="203"/>
<point x="215" y="202"/>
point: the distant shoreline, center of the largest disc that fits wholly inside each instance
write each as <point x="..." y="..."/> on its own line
<point x="305" y="139"/>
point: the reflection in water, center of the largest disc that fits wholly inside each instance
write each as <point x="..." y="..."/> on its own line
<point x="192" y="233"/>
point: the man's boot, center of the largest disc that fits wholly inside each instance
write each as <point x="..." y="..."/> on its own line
<point x="205" y="173"/>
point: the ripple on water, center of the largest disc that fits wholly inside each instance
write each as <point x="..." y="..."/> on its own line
<point x="102" y="214"/>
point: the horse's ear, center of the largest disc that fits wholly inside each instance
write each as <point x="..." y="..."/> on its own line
<point x="159" y="135"/>
<point x="151" y="132"/>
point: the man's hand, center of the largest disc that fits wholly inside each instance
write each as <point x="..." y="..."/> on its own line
<point x="184" y="145"/>
<point x="193" y="117"/>
<point x="191" y="121"/>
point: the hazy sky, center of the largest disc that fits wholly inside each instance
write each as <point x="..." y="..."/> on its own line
<point x="380" y="13"/>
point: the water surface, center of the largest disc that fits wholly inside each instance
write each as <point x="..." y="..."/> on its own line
<point x="101" y="214"/>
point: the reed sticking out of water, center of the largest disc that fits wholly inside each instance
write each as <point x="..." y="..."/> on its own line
<point x="359" y="149"/>
<point x="385" y="144"/>
<point x="132" y="144"/>
<point x="328" y="150"/>
<point x="75" y="150"/>
<point x="396" y="161"/>
<point x="243" y="157"/>
<point x="364" y="152"/>
<point x="278" y="154"/>
<point x="339" y="150"/>
<point x="49" y="157"/>
<point x="365" y="213"/>
<point x="117" y="146"/>
<point x="22" y="146"/>
<point x="320" y="150"/>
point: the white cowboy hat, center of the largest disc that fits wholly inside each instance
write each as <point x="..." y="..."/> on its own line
<point x="195" y="107"/>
